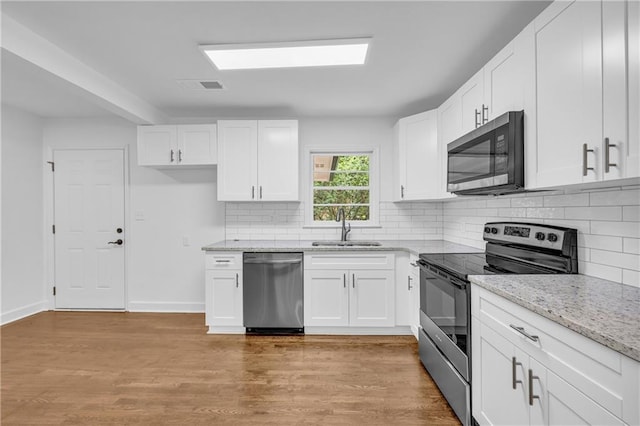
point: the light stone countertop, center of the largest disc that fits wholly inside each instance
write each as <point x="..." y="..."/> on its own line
<point x="604" y="311"/>
<point x="411" y="246"/>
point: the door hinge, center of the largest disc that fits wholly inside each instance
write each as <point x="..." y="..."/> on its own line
<point x="54" y="290"/>
<point x="53" y="228"/>
<point x="53" y="166"/>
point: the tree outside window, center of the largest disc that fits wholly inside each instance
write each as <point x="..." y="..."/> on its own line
<point x="341" y="181"/>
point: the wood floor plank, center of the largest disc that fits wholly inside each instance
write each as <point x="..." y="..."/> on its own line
<point x="86" y="368"/>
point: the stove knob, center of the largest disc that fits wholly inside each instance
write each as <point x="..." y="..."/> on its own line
<point x="494" y="230"/>
<point x="487" y="229"/>
<point x="539" y="236"/>
<point x="552" y="237"/>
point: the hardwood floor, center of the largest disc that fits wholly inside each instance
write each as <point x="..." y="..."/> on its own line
<point x="95" y="368"/>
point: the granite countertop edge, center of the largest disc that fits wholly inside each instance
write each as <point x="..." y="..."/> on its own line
<point x="411" y="246"/>
<point x="622" y="344"/>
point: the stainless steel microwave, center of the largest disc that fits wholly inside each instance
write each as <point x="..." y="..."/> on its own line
<point x="490" y="159"/>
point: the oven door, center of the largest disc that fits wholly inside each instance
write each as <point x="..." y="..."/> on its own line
<point x="445" y="315"/>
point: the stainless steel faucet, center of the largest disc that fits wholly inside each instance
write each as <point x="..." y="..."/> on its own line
<point x="345" y="231"/>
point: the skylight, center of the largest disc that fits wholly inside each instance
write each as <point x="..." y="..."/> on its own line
<point x="288" y="55"/>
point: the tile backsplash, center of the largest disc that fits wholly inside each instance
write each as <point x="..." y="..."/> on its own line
<point x="285" y="221"/>
<point x="608" y="223"/>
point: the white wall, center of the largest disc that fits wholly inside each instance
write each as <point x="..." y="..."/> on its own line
<point x="608" y="223"/>
<point x="172" y="214"/>
<point x="23" y="271"/>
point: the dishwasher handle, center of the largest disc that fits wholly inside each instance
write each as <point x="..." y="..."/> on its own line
<point x="273" y="262"/>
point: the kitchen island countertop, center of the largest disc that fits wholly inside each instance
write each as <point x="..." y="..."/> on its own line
<point x="602" y="310"/>
<point x="411" y="246"/>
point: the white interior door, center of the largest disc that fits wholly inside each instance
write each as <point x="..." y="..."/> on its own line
<point x="88" y="211"/>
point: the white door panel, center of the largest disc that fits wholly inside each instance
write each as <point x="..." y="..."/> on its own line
<point x="89" y="208"/>
<point x="237" y="160"/>
<point x="278" y="160"/>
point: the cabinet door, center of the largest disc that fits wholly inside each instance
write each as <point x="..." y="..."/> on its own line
<point x="237" y="160"/>
<point x="504" y="77"/>
<point x="197" y="144"/>
<point x="157" y="145"/>
<point x="418" y="153"/>
<point x="223" y="298"/>
<point x="414" y="289"/>
<point x="495" y="401"/>
<point x="471" y="103"/>
<point x="632" y="150"/>
<point x="326" y="298"/>
<point x="371" y="301"/>
<point x="562" y="404"/>
<point x="568" y="47"/>
<point x="278" y="173"/>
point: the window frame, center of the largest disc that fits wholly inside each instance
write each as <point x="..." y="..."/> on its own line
<point x="374" y="185"/>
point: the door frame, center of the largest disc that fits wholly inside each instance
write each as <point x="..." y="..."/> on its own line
<point x="49" y="246"/>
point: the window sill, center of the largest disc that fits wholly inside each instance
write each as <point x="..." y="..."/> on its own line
<point x="332" y="226"/>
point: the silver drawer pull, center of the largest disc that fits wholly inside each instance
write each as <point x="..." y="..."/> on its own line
<point x="524" y="333"/>
<point x="531" y="395"/>
<point x="223" y="260"/>
<point x="514" y="365"/>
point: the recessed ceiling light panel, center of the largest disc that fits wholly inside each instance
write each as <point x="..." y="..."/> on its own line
<point x="287" y="55"/>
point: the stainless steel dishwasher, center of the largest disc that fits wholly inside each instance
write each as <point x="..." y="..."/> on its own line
<point x="272" y="296"/>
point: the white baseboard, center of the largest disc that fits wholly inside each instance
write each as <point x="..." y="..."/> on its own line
<point x="226" y="330"/>
<point x="25" y="311"/>
<point x="166" y="307"/>
<point x="362" y="331"/>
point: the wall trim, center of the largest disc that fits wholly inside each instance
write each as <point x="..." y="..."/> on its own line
<point x="23" y="312"/>
<point x="166" y="307"/>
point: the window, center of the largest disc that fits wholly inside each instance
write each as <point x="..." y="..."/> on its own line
<point x="343" y="180"/>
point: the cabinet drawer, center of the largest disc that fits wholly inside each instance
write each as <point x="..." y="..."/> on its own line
<point x="602" y="374"/>
<point x="223" y="260"/>
<point x="350" y="260"/>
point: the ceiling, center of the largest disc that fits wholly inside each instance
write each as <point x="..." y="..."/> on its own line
<point x="421" y="51"/>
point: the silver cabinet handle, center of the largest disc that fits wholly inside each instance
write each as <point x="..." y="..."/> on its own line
<point x="261" y="192"/>
<point x="172" y="156"/>
<point x="477" y="118"/>
<point x="179" y="156"/>
<point x="514" y="364"/>
<point x="531" y="395"/>
<point x="485" y="119"/>
<point x="607" y="159"/>
<point x="353" y="280"/>
<point x="344" y="280"/>
<point x="524" y="333"/>
<point x="585" y="150"/>
<point x="409" y="287"/>
<point x="237" y="280"/>
<point x="223" y="260"/>
<point x="401" y="191"/>
<point x="253" y="192"/>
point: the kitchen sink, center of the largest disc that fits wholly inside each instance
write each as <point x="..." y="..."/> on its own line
<point x="346" y="243"/>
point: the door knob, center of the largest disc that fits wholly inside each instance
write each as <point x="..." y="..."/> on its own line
<point x="119" y="230"/>
<point x="116" y="242"/>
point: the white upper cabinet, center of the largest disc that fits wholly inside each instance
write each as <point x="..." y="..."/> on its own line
<point x="197" y="144"/>
<point x="278" y="174"/>
<point x="258" y="160"/>
<point x="586" y="80"/>
<point x="569" y="92"/>
<point x="503" y="84"/>
<point x="417" y="162"/>
<point x="177" y="145"/>
<point x="472" y="108"/>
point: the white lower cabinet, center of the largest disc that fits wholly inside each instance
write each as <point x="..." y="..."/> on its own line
<point x="553" y="376"/>
<point x="356" y="290"/>
<point x="223" y="293"/>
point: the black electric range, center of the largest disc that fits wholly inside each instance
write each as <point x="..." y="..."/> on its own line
<point x="445" y="296"/>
